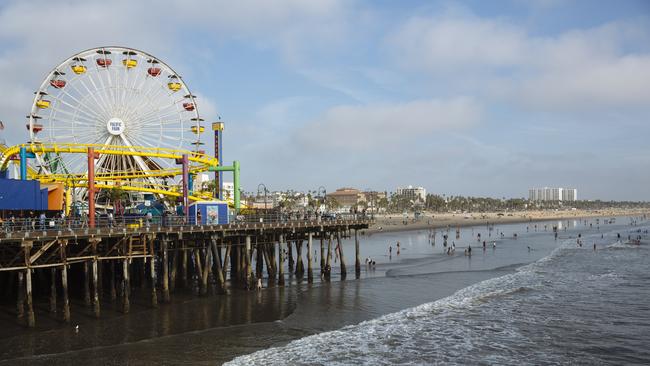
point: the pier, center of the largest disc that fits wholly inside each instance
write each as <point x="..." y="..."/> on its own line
<point x="106" y="262"/>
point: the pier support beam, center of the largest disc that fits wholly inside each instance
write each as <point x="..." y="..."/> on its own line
<point x="126" y="305"/>
<point x="20" y="302"/>
<point x="357" y="254"/>
<point x="64" y="281"/>
<point x="339" y="246"/>
<point x="322" y="253"/>
<point x="216" y="263"/>
<point x="31" y="320"/>
<point x="86" y="285"/>
<point x="66" y="299"/>
<point x="328" y="262"/>
<point x="249" y="267"/>
<point x="152" y="273"/>
<point x="53" y="290"/>
<point x="310" y="274"/>
<point x="112" y="281"/>
<point x="165" y="270"/>
<point x="290" y="254"/>
<point x="96" y="306"/>
<point x="300" y="267"/>
<point x="280" y="262"/>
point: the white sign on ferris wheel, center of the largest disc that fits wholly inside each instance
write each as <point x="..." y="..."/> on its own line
<point x="114" y="96"/>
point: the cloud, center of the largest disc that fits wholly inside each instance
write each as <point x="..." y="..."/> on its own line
<point x="355" y="127"/>
<point x="600" y="67"/>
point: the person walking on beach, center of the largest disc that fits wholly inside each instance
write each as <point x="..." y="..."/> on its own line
<point x="483" y="245"/>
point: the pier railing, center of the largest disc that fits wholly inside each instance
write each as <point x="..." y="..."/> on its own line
<point x="15" y="227"/>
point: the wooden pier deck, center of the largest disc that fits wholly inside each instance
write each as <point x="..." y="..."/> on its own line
<point x="110" y="259"/>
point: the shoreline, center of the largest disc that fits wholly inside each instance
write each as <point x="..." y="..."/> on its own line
<point x="394" y="223"/>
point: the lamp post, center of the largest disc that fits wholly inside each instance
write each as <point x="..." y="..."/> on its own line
<point x="265" y="192"/>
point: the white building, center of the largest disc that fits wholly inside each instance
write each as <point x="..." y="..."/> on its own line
<point x="552" y="194"/>
<point x="569" y="194"/>
<point x="413" y="193"/>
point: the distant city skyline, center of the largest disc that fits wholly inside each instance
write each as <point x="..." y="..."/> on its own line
<point x="463" y="98"/>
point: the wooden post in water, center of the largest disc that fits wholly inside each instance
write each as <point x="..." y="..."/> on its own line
<point x="165" y="270"/>
<point x="64" y="281"/>
<point x="206" y="268"/>
<point x="174" y="269"/>
<point x="20" y="301"/>
<point x="198" y="270"/>
<point x="290" y="256"/>
<point x="111" y="263"/>
<point x="310" y="274"/>
<point x="53" y="290"/>
<point x="96" y="305"/>
<point x="216" y="263"/>
<point x="322" y="251"/>
<point x="357" y="254"/>
<point x="339" y="245"/>
<point x="126" y="305"/>
<point x="31" y="320"/>
<point x="300" y="267"/>
<point x="152" y="273"/>
<point x="184" y="265"/>
<point x="249" y="267"/>
<point x="87" y="301"/>
<point x="225" y="259"/>
<point x="280" y="262"/>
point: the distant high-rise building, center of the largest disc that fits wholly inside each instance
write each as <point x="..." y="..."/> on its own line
<point x="553" y="194"/>
<point x="413" y="193"/>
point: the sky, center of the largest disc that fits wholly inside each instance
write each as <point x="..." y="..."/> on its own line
<point x="481" y="98"/>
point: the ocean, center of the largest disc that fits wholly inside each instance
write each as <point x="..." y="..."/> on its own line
<point x="576" y="305"/>
<point x="529" y="299"/>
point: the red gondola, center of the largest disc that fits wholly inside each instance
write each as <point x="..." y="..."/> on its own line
<point x="154" y="71"/>
<point x="189" y="106"/>
<point x="104" y="62"/>
<point x="57" y="83"/>
<point x="37" y="128"/>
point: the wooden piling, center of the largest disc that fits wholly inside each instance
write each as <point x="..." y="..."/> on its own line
<point x="225" y="259"/>
<point x="310" y="274"/>
<point x="112" y="281"/>
<point x="126" y="305"/>
<point x="280" y="262"/>
<point x="290" y="256"/>
<point x="216" y="263"/>
<point x="96" y="305"/>
<point x="206" y="269"/>
<point x="322" y="253"/>
<point x="20" y="294"/>
<point x="66" y="300"/>
<point x="64" y="281"/>
<point x="152" y="274"/>
<point x="165" y="270"/>
<point x="184" y="265"/>
<point x="31" y="320"/>
<point x="53" y="290"/>
<point x="357" y="255"/>
<point x="249" y="267"/>
<point x="87" y="301"/>
<point x="339" y="245"/>
<point x="173" y="271"/>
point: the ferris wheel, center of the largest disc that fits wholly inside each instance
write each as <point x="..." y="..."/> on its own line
<point x="114" y="96"/>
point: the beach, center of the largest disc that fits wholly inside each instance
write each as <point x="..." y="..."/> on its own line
<point x="397" y="222"/>
<point x="403" y="309"/>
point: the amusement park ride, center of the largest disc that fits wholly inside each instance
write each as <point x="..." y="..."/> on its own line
<point x="118" y="118"/>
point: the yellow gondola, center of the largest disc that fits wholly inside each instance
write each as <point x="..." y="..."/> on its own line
<point x="198" y="129"/>
<point x="42" y="103"/>
<point x="174" y="86"/>
<point x="78" y="69"/>
<point x="130" y="63"/>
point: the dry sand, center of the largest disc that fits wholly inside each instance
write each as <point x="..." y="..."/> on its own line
<point x="395" y="222"/>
